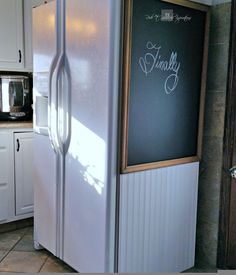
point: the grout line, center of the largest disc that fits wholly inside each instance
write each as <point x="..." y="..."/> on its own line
<point x="11" y="249"/>
<point x="17" y="242"/>
<point x="5" y="255"/>
<point x="43" y="264"/>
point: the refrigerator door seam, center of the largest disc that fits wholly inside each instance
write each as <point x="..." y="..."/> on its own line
<point x="63" y="124"/>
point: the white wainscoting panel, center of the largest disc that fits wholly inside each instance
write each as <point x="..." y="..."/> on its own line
<point x="158" y="219"/>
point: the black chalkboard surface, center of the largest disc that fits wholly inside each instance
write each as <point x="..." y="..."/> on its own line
<point x="165" y="64"/>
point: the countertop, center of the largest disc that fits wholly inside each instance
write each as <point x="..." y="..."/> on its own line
<point x="14" y="124"/>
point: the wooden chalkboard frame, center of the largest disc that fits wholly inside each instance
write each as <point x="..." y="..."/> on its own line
<point x="128" y="12"/>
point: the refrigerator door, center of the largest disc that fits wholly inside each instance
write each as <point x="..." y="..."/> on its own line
<point x="44" y="48"/>
<point x="87" y="174"/>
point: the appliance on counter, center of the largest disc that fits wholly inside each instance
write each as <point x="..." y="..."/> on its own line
<point x="76" y="51"/>
<point x="15" y="97"/>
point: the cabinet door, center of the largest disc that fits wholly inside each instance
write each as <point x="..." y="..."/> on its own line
<point x="6" y="176"/>
<point x="23" y="172"/>
<point x="11" y="33"/>
<point x="28" y="34"/>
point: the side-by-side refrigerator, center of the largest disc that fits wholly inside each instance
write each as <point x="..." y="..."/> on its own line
<point x="86" y="212"/>
<point x="76" y="70"/>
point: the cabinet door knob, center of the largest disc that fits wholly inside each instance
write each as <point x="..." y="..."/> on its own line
<point x="18" y="145"/>
<point x="20" y="56"/>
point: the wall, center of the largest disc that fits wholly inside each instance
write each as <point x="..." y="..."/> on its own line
<point x="210" y="170"/>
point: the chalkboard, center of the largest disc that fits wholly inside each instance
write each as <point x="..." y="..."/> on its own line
<point x="165" y="57"/>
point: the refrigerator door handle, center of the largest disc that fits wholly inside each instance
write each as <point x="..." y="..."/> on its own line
<point x="53" y="94"/>
<point x="63" y="85"/>
<point x="67" y="105"/>
<point x="50" y="112"/>
<point x="64" y="105"/>
<point x="59" y="102"/>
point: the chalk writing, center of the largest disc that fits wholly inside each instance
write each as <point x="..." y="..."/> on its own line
<point x="152" y="60"/>
<point x="172" y="18"/>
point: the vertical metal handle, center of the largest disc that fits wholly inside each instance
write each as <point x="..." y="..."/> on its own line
<point x="63" y="83"/>
<point x="67" y="106"/>
<point x="59" y="100"/>
<point x="18" y="145"/>
<point x="20" y="56"/>
<point x="51" y="119"/>
<point x="52" y="93"/>
<point x="64" y="105"/>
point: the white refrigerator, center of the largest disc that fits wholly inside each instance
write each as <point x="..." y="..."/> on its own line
<point x="76" y="69"/>
<point x="86" y="213"/>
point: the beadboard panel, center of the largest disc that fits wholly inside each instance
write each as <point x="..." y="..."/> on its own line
<point x="158" y="219"/>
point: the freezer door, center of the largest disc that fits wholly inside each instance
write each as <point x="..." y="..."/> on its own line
<point x="44" y="52"/>
<point x="44" y="49"/>
<point x="86" y="182"/>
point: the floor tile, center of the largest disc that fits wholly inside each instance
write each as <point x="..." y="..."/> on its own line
<point x="2" y="254"/>
<point x="55" y="265"/>
<point x="30" y="231"/>
<point x="25" y="244"/>
<point x="19" y="261"/>
<point x="8" y="240"/>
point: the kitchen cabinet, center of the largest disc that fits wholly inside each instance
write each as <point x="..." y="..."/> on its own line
<point x="28" y="34"/>
<point x="11" y="32"/>
<point x="16" y="52"/>
<point x="6" y="177"/>
<point x="16" y="182"/>
<point x="23" y="172"/>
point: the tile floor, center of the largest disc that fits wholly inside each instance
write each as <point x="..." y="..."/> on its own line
<point x="17" y="254"/>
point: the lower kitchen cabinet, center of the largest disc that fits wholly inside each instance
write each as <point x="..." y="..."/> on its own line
<point x="6" y="177"/>
<point x="23" y="173"/>
<point x="16" y="181"/>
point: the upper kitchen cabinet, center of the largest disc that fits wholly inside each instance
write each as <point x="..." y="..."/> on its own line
<point x="11" y="30"/>
<point x="28" y="6"/>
